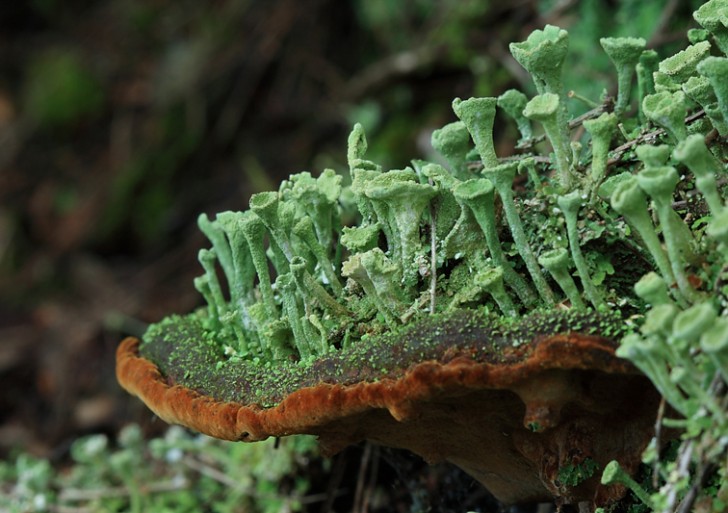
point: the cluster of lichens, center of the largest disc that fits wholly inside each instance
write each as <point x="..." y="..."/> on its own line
<point x="319" y="265"/>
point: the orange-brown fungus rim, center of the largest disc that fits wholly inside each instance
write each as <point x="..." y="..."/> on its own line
<point x="306" y="409"/>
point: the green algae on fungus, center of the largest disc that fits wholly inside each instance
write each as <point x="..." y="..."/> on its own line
<point x="185" y="352"/>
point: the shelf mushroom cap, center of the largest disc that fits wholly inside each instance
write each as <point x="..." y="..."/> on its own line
<point x="512" y="416"/>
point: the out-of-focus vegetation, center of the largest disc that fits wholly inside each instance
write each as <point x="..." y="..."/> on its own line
<point x="176" y="473"/>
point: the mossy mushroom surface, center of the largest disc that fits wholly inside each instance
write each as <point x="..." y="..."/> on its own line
<point x="450" y="389"/>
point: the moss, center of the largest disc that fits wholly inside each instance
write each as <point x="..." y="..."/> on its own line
<point x="576" y="473"/>
<point x="185" y="351"/>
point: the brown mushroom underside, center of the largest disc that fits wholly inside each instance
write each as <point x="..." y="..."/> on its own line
<point x="517" y="428"/>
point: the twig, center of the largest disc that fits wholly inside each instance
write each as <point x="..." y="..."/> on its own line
<point x="658" y="436"/>
<point x="224" y="479"/>
<point x="361" y="480"/>
<point x="654" y="134"/>
<point x="663" y="22"/>
<point x="332" y="490"/>
<point x="78" y="494"/>
<point x="684" y="459"/>
<point x="395" y="66"/>
<point x="373" y="473"/>
<point x="705" y="469"/>
<point x="210" y="472"/>
<point x="686" y="505"/>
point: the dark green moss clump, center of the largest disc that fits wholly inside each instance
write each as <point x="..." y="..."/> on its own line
<point x="575" y="474"/>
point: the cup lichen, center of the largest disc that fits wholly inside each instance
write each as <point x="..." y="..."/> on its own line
<point x="479" y="196"/>
<point x="601" y="130"/>
<point x="452" y="141"/>
<point x="502" y="177"/>
<point x="543" y="54"/>
<point x="327" y="263"/>
<point x="625" y="53"/>
<point x="715" y="70"/>
<point x="667" y="110"/>
<point x="544" y="108"/>
<point x="659" y="183"/>
<point x="713" y="16"/>
<point x="557" y="263"/>
<point x="677" y="69"/>
<point x="513" y="102"/>
<point x="570" y="205"/>
<point x="646" y="68"/>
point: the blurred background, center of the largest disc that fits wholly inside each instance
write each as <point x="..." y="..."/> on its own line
<point x="122" y="120"/>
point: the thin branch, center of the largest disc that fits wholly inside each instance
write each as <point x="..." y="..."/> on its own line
<point x="684" y="458"/>
<point x="79" y="494"/>
<point x="332" y="490"/>
<point x="392" y="67"/>
<point x="658" y="437"/>
<point x="654" y="134"/>
<point x="210" y="472"/>
<point x="361" y="480"/>
<point x="663" y="23"/>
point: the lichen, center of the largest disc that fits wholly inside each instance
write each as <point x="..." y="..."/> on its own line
<point x="625" y="53"/>
<point x="340" y="279"/>
<point x="305" y="277"/>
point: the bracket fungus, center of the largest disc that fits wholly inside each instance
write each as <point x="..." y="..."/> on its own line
<point x="435" y="309"/>
<point x="448" y="389"/>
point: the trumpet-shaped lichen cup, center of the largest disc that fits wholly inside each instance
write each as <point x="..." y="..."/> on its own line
<point x="525" y="330"/>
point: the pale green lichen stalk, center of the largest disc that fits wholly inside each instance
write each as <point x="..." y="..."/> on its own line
<point x="646" y="68"/>
<point x="545" y="109"/>
<point x="328" y="261"/>
<point x="601" y="130"/>
<point x="625" y="53"/>
<point x="543" y="54"/>
<point x="513" y="102"/>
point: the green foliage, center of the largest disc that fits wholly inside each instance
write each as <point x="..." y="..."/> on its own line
<point x="61" y="90"/>
<point x="178" y="472"/>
